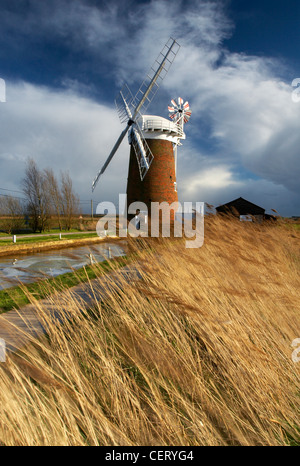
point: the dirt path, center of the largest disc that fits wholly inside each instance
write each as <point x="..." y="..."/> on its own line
<point x="17" y="327"/>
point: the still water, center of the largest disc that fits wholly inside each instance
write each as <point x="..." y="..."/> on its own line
<point x="15" y="270"/>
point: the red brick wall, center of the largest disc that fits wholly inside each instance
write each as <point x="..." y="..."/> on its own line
<point x="158" y="184"/>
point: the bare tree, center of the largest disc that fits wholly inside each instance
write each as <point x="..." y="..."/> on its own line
<point x="44" y="196"/>
<point x="70" y="200"/>
<point x="54" y="194"/>
<point x="37" y="198"/>
<point x="12" y="213"/>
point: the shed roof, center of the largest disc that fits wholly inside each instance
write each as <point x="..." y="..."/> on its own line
<point x="242" y="206"/>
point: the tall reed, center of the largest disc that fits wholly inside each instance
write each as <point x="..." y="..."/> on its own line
<point x="195" y="351"/>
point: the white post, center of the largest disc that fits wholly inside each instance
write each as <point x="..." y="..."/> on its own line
<point x="14" y="238"/>
<point x="59" y="235"/>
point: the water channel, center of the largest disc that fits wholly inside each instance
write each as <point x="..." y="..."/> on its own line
<point x="15" y="270"/>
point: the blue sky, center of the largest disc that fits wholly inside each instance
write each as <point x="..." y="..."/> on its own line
<point x="64" y="61"/>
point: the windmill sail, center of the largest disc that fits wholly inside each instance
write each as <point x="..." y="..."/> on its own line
<point x="142" y="151"/>
<point x="156" y="74"/>
<point x="124" y="104"/>
<point x="113" y="151"/>
<point x="129" y="108"/>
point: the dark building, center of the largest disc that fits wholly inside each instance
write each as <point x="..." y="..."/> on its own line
<point x="243" y="209"/>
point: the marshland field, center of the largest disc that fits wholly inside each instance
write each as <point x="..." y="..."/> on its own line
<point x="197" y="351"/>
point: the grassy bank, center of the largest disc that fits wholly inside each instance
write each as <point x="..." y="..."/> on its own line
<point x="18" y="296"/>
<point x="7" y="240"/>
<point x="197" y="352"/>
<point x="28" y="245"/>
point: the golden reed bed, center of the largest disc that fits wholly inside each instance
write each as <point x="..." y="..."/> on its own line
<point x="196" y="352"/>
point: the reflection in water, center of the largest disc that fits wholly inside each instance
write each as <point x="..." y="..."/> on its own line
<point x="27" y="269"/>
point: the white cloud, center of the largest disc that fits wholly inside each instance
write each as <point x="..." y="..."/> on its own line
<point x="215" y="178"/>
<point x="59" y="130"/>
<point x="241" y="108"/>
<point x="247" y="112"/>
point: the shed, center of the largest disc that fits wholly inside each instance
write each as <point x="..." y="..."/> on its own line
<point x="243" y="209"/>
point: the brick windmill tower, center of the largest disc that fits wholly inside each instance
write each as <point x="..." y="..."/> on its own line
<point x="153" y="139"/>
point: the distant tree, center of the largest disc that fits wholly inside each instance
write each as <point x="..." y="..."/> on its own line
<point x="70" y="201"/>
<point x="37" y="196"/>
<point x="12" y="214"/>
<point x="45" y="196"/>
<point x="55" y="196"/>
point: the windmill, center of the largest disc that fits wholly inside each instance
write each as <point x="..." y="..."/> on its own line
<point x="153" y="139"/>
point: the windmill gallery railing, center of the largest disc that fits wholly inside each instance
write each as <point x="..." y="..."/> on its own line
<point x="163" y="125"/>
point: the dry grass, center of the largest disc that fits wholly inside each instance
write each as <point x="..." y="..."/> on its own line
<point x="198" y="352"/>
